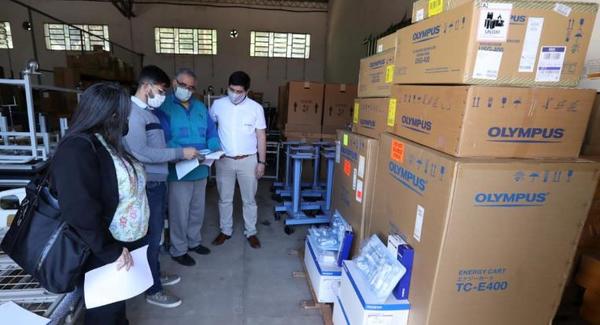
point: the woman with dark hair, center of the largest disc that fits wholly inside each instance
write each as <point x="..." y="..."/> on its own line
<point x="100" y="188"/>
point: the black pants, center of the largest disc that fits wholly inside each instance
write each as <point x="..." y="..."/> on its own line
<point x="113" y="314"/>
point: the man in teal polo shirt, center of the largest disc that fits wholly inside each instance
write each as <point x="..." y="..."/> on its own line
<point x="186" y="123"/>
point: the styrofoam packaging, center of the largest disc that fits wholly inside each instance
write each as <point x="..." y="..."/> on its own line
<point x="357" y="302"/>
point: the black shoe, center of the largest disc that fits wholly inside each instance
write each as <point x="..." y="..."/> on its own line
<point x="201" y="250"/>
<point x="185" y="260"/>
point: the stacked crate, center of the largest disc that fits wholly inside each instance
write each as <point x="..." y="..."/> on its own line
<point x="477" y="168"/>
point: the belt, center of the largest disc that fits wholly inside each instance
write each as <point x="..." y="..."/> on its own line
<point x="238" y="157"/>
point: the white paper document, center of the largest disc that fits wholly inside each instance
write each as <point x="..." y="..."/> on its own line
<point x="214" y="155"/>
<point x="11" y="313"/>
<point x="184" y="167"/>
<point x="106" y="285"/>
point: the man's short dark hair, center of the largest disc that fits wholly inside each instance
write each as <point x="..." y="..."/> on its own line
<point x="240" y="78"/>
<point x="155" y="75"/>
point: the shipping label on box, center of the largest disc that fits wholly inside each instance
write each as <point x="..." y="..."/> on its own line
<point x="386" y="43"/>
<point x="478" y="121"/>
<point x="493" y="232"/>
<point x="354" y="179"/>
<point x="511" y="42"/>
<point x="376" y="74"/>
<point x="371" y="115"/>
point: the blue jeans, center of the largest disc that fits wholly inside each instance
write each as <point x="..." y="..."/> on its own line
<point x="157" y="195"/>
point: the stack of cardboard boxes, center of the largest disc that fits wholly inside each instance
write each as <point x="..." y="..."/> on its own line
<point x="312" y="111"/>
<point x="481" y="178"/>
<point x="588" y="277"/>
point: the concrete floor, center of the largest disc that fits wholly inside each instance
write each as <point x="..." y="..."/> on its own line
<point x="236" y="284"/>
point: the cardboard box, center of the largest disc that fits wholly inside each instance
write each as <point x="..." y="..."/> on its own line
<point x="488" y="47"/>
<point x="480" y="121"/>
<point x="324" y="278"/>
<point x="590" y="310"/>
<point x="588" y="275"/>
<point x="494" y="239"/>
<point x="592" y="136"/>
<point x="359" y="305"/>
<point x="354" y="181"/>
<point x="338" y="103"/>
<point x="387" y="43"/>
<point x="370" y="116"/>
<point x="304" y="107"/>
<point x="424" y="9"/>
<point x="376" y="74"/>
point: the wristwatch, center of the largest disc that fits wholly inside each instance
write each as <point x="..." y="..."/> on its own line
<point x="262" y="163"/>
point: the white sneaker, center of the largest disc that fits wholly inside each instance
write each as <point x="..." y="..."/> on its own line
<point x="163" y="299"/>
<point x="167" y="279"/>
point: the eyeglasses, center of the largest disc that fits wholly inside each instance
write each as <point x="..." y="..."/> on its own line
<point x="237" y="91"/>
<point x="183" y="85"/>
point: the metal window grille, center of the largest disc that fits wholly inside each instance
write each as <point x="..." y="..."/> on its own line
<point x="62" y="37"/>
<point x="5" y="36"/>
<point x="280" y="45"/>
<point x="170" y="40"/>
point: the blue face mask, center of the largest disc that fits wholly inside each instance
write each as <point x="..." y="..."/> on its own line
<point x="183" y="94"/>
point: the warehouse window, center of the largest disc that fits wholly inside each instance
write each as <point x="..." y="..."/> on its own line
<point x="280" y="45"/>
<point x="5" y="36"/>
<point x="185" y="41"/>
<point x="62" y="37"/>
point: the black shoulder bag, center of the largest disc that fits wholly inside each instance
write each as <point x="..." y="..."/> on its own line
<point x="40" y="242"/>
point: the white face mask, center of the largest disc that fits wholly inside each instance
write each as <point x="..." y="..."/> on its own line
<point x="183" y="94"/>
<point x="156" y="101"/>
<point x="235" y="98"/>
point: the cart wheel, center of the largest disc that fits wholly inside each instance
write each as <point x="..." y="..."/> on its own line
<point x="277" y="216"/>
<point x="288" y="230"/>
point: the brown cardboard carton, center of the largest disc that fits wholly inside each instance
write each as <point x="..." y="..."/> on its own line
<point x="592" y="137"/>
<point x="521" y="43"/>
<point x="590" y="310"/>
<point x="494" y="239"/>
<point x="387" y="43"/>
<point x="481" y="121"/>
<point x="304" y="106"/>
<point x="370" y="116"/>
<point x="354" y="182"/>
<point x="424" y="9"/>
<point x="588" y="275"/>
<point x="337" y="107"/>
<point x="376" y="74"/>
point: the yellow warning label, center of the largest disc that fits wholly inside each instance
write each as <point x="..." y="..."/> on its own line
<point x="389" y="74"/>
<point x="345" y="139"/>
<point x="435" y="7"/>
<point x="391" y="118"/>
<point x="356" y="112"/>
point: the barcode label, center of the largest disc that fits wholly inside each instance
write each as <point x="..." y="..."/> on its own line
<point x="487" y="65"/>
<point x="531" y="44"/>
<point x="562" y="9"/>
<point x="550" y="64"/>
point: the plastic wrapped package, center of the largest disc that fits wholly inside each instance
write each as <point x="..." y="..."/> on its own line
<point x="330" y="238"/>
<point x="381" y="269"/>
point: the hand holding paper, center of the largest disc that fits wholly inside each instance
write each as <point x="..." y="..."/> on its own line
<point x="106" y="284"/>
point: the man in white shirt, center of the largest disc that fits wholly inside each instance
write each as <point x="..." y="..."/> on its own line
<point x="241" y="127"/>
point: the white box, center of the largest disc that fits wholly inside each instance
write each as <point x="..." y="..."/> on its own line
<point x="325" y="278"/>
<point x="359" y="305"/>
<point x="339" y="317"/>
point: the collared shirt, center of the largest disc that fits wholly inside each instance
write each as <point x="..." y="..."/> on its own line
<point x="140" y="103"/>
<point x="188" y="127"/>
<point x="237" y="125"/>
